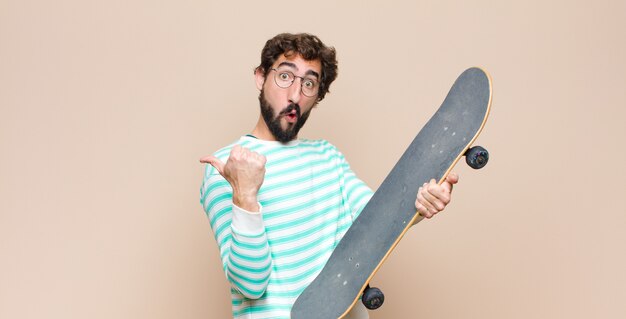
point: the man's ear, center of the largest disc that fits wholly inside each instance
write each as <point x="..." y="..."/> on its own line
<point x="259" y="77"/>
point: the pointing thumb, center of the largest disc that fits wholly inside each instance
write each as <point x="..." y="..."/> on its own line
<point x="215" y="162"/>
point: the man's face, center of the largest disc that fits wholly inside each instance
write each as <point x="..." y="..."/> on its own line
<point x="285" y="110"/>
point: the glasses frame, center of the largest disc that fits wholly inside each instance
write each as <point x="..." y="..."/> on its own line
<point x="276" y="80"/>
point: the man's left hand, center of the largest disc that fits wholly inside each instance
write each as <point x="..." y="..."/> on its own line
<point x="433" y="198"/>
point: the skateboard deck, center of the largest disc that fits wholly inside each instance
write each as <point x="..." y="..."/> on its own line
<point x="391" y="211"/>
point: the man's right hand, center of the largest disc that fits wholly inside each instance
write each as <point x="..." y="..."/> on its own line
<point x="245" y="171"/>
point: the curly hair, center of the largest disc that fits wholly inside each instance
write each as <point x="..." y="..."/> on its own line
<point x="309" y="47"/>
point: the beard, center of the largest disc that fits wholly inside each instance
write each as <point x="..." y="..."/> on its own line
<point x="273" y="120"/>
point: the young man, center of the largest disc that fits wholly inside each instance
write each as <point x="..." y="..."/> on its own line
<point x="278" y="205"/>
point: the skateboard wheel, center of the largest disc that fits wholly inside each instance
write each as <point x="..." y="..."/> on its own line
<point x="476" y="157"/>
<point x="373" y="298"/>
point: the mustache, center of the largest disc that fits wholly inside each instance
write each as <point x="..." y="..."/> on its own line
<point x="291" y="107"/>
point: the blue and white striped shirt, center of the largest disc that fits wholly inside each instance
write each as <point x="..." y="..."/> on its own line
<point x="308" y="200"/>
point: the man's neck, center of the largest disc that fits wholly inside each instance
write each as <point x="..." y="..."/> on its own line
<point x="262" y="132"/>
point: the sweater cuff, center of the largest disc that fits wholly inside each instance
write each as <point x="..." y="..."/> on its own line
<point x="245" y="222"/>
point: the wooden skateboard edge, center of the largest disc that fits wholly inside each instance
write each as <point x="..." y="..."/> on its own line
<point x="417" y="217"/>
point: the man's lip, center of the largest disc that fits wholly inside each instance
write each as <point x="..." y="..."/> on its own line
<point x="291" y="117"/>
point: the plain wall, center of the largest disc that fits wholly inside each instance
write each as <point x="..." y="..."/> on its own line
<point x="106" y="106"/>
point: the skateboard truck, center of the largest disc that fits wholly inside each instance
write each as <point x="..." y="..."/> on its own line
<point x="476" y="157"/>
<point x="373" y="298"/>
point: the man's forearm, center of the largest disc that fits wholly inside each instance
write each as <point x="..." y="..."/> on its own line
<point x="249" y="262"/>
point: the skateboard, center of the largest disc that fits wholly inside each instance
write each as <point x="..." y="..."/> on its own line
<point x="445" y="138"/>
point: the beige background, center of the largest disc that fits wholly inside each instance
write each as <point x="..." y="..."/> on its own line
<point x="105" y="107"/>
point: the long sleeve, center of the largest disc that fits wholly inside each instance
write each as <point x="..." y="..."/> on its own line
<point x="240" y="235"/>
<point x="356" y="193"/>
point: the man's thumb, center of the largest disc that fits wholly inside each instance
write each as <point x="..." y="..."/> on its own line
<point x="215" y="162"/>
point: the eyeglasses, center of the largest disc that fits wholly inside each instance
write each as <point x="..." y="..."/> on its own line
<point x="285" y="79"/>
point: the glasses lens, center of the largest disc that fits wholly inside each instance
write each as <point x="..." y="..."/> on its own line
<point x="283" y="78"/>
<point x="309" y="87"/>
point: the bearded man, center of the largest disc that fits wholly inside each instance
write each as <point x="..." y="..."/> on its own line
<point x="278" y="205"/>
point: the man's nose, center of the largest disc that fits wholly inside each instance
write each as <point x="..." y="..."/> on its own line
<point x="295" y="91"/>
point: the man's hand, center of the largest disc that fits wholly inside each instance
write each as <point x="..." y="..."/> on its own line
<point x="245" y="171"/>
<point x="433" y="198"/>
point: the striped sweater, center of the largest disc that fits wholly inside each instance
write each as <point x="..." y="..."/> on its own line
<point x="308" y="200"/>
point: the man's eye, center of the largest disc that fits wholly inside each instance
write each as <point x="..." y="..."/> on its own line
<point x="284" y="76"/>
<point x="309" y="84"/>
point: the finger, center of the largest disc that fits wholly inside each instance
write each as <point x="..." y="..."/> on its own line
<point x="215" y="162"/>
<point x="257" y="157"/>
<point x="452" y="178"/>
<point x="439" y="193"/>
<point x="205" y="159"/>
<point x="449" y="182"/>
<point x="422" y="210"/>
<point x="261" y="158"/>
<point x="236" y="152"/>
<point x="446" y="188"/>
<point x="427" y="200"/>
<point x="243" y="154"/>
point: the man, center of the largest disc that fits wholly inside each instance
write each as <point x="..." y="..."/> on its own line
<point x="278" y="205"/>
